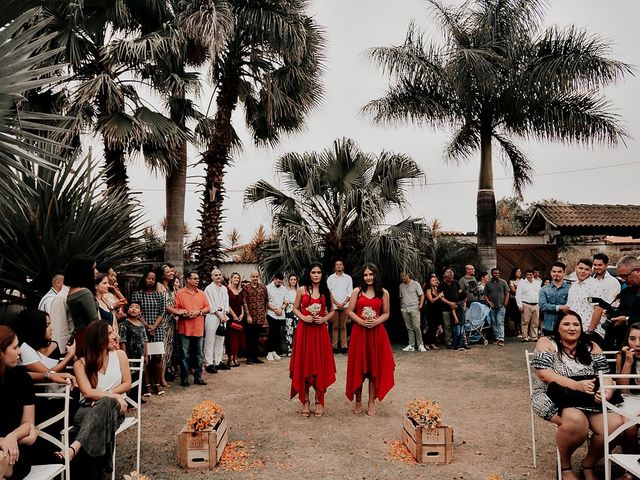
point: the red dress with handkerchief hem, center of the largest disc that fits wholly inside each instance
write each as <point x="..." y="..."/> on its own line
<point x="370" y="354"/>
<point x="312" y="362"/>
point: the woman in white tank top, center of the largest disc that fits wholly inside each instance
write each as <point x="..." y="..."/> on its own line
<point x="104" y="379"/>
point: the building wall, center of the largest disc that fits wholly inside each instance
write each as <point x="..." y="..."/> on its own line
<point x="244" y="269"/>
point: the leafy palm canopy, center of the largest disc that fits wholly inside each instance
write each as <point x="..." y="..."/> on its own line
<point x="500" y="76"/>
<point x="26" y="136"/>
<point x="336" y="204"/>
<point x="270" y="63"/>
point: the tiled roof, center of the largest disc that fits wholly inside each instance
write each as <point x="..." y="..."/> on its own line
<point x="588" y="215"/>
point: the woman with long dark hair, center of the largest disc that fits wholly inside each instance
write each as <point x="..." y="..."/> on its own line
<point x="104" y="379"/>
<point x="40" y="355"/>
<point x="153" y="308"/>
<point x="571" y="361"/>
<point x="312" y="363"/>
<point x="513" y="312"/>
<point x="17" y="400"/>
<point x="82" y="305"/>
<point x="370" y="355"/>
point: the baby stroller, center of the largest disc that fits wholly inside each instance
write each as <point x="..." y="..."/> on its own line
<point x="476" y="320"/>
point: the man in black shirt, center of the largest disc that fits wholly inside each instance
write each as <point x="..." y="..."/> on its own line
<point x="451" y="291"/>
<point x="628" y="313"/>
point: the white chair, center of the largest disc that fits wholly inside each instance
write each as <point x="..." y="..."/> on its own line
<point x="136" y="366"/>
<point x="47" y="472"/>
<point x="627" y="461"/>
<point x="528" y="356"/>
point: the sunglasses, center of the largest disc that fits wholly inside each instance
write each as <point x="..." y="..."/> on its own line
<point x="626" y="275"/>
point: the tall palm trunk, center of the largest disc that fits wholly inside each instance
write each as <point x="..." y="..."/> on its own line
<point x="486" y="206"/>
<point x="115" y="170"/>
<point x="216" y="158"/>
<point x="175" y="188"/>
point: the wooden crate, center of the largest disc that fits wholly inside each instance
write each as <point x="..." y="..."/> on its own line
<point x="203" y="449"/>
<point x="428" y="445"/>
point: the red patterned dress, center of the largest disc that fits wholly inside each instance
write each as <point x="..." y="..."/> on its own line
<point x="370" y="354"/>
<point x="312" y="363"/>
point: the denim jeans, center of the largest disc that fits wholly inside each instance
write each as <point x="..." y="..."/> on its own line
<point x="190" y="347"/>
<point x="458" y="336"/>
<point x="497" y="322"/>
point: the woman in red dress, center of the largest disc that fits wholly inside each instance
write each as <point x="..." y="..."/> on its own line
<point x="312" y="363"/>
<point x="370" y="355"/>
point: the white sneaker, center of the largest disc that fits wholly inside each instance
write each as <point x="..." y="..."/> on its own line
<point x="409" y="348"/>
<point x="270" y="357"/>
<point x="421" y="348"/>
<point x="276" y="357"/>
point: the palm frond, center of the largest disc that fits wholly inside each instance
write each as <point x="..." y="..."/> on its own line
<point x="518" y="161"/>
<point x="568" y="59"/>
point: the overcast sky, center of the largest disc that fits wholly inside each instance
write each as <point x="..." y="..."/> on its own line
<point x="573" y="174"/>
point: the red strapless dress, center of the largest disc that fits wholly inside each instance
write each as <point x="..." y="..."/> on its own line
<point x="312" y="363"/>
<point x="370" y="354"/>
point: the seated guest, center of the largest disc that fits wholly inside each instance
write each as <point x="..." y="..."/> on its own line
<point x="40" y="355"/>
<point x="104" y="379"/>
<point x="627" y="362"/>
<point x="564" y="392"/>
<point x="17" y="401"/>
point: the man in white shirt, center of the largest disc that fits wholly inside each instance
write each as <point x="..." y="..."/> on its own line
<point x="275" y="316"/>
<point x="609" y="285"/>
<point x="581" y="293"/>
<point x="61" y="323"/>
<point x="340" y="285"/>
<point x="411" y="299"/>
<point x="218" y="298"/>
<point x="57" y="281"/>
<point x="527" y="295"/>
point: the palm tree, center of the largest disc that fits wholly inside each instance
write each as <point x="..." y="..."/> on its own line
<point x="270" y="63"/>
<point x="337" y="207"/>
<point x="197" y="28"/>
<point x="500" y="76"/>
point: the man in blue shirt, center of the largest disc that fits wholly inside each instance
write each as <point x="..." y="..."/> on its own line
<point x="553" y="298"/>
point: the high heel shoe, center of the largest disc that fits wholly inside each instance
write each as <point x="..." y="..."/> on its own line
<point x="306" y="414"/>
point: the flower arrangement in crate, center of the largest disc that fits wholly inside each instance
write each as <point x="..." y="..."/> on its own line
<point x="205" y="415"/>
<point x="136" y="476"/>
<point x="426" y="413"/>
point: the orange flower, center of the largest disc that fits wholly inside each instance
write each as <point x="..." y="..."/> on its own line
<point x="424" y="412"/>
<point x="205" y="415"/>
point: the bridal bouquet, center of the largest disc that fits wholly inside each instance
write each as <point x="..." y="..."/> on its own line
<point x="205" y="415"/>
<point x="424" y="412"/>
<point x="314" y="309"/>
<point x="369" y="313"/>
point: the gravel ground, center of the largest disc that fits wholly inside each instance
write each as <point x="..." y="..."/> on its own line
<point x="484" y="397"/>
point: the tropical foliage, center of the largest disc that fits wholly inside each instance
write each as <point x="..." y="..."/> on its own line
<point x="64" y="213"/>
<point x="498" y="77"/>
<point x="336" y="205"/>
<point x="270" y="63"/>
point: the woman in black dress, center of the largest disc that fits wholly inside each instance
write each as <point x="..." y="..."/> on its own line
<point x="17" y="400"/>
